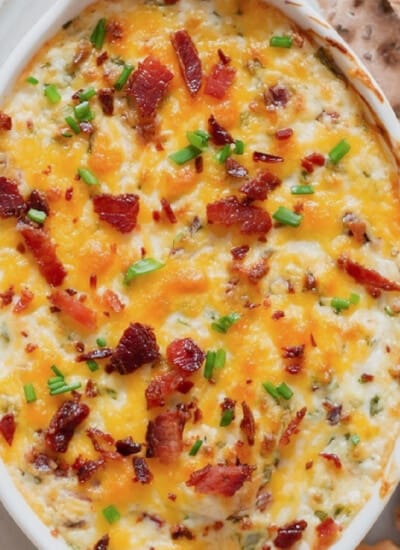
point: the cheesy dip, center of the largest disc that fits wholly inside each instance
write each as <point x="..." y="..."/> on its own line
<point x="199" y="283"/>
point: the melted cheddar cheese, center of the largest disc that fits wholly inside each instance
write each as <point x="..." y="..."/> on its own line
<point x="346" y="374"/>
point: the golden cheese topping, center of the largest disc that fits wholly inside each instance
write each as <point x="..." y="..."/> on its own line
<point x="199" y="283"/>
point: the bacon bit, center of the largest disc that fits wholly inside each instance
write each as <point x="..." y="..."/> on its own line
<point x="63" y="424"/>
<point x="189" y="60"/>
<point x="365" y="378"/>
<point x="235" y="169"/>
<point x="38" y="201"/>
<point x="7" y="296"/>
<point x="219" y="80"/>
<point x="366" y="277"/>
<point x="170" y="2"/>
<point x="228" y="404"/>
<point x="82" y="52"/>
<point x="356" y="227"/>
<point x="276" y="96"/>
<point x="278" y="315"/>
<point x="310" y="282"/>
<point x="161" y="387"/>
<point x="314" y="159"/>
<point x="142" y="471"/>
<point x="292" y="352"/>
<point x="248" y="425"/>
<point x="164" y="436"/>
<point x="73" y="308"/>
<point x="24" y="301"/>
<point x="106" y="99"/>
<point x="93" y="281"/>
<point x="8" y="427"/>
<point x="240" y="252"/>
<point x="332" y="458"/>
<point x="44" y="251"/>
<point x="112" y="300"/>
<point x="5" y="121"/>
<point x="11" y="201"/>
<point x="230" y="211"/>
<point x="185" y="356"/>
<point x="257" y="272"/>
<point x="223" y="58"/>
<point x="327" y="532"/>
<point x="167" y="209"/>
<point x="103" y="543"/>
<point x="156" y="216"/>
<point x="290" y="534"/>
<point x="94" y="354"/>
<point x="266" y="157"/>
<point x="199" y="164"/>
<point x="91" y="389"/>
<point x="181" y="531"/>
<point x="30" y="348"/>
<point x="115" y="30"/>
<point x="333" y="413"/>
<point x="184" y="386"/>
<point x="68" y="193"/>
<point x="86" y="468"/>
<point x="218" y="134"/>
<point x="148" y="86"/>
<point x="258" y="188"/>
<point x="98" y="439"/>
<point x="220" y="479"/>
<point x="284" y="134"/>
<point x="263" y="499"/>
<point x="136" y="347"/>
<point x="127" y="446"/>
<point x="120" y="211"/>
<point x="293" y="427"/>
<point x="102" y="58"/>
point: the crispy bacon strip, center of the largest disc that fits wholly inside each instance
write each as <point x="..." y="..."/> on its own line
<point x="290" y="534"/>
<point x="142" y="470"/>
<point x="164" y="436"/>
<point x="230" y="211"/>
<point x="103" y="543"/>
<point x="248" y="425"/>
<point x="219" y="136"/>
<point x="106" y="99"/>
<point x="120" y="211"/>
<point x="276" y="97"/>
<point x="63" y="425"/>
<point x="43" y="249"/>
<point x="189" y="60"/>
<point x="185" y="356"/>
<point x="11" y="201"/>
<point x="94" y="354"/>
<point x="127" y="447"/>
<point x="5" y="121"/>
<point x="220" y="479"/>
<point x="136" y="347"/>
<point x="219" y="80"/>
<point x="8" y="427"/>
<point x="86" y="468"/>
<point x="161" y="387"/>
<point x="74" y="309"/>
<point x="367" y="277"/>
<point x="235" y="169"/>
<point x="258" y="188"/>
<point x="293" y="427"/>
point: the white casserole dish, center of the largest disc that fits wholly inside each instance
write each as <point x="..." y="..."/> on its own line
<point x="311" y="21"/>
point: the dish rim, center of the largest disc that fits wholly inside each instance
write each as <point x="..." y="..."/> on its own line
<point x="309" y="20"/>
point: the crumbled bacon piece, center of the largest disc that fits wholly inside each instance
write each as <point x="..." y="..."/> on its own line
<point x="8" y="427"/>
<point x="106" y="99"/>
<point x="235" y="169"/>
<point x="136" y="347"/>
<point x="164" y="436"/>
<point x="293" y="427"/>
<point x="82" y="52"/>
<point x="240" y="252"/>
<point x="218" y="134"/>
<point x="7" y="296"/>
<point x="276" y="96"/>
<point x="142" y="470"/>
<point x="223" y="57"/>
<point x="365" y="378"/>
<point x="230" y="211"/>
<point x="161" y="387"/>
<point x="5" y="121"/>
<point x="220" y="479"/>
<point x="331" y="457"/>
<point x="11" y="201"/>
<point x="113" y="301"/>
<point x="189" y="60"/>
<point x="91" y="389"/>
<point x="94" y="354"/>
<point x="263" y="499"/>
<point x="120" y="211"/>
<point x="356" y="227"/>
<point x="181" y="531"/>
<point x="114" y="30"/>
<point x="185" y="356"/>
<point x="284" y="134"/>
<point x="367" y="277"/>
<point x="333" y="413"/>
<point x="148" y="86"/>
<point x="314" y="159"/>
<point x="86" y="468"/>
<point x="103" y="543"/>
<point x="43" y="249"/>
<point x="102" y="58"/>
<point x="219" y="80"/>
<point x="199" y="164"/>
<point x="258" y="188"/>
<point x="167" y="209"/>
<point x="278" y="315"/>
<point x="24" y="301"/>
<point x="267" y="157"/>
<point x="293" y="352"/>
<point x="99" y="439"/>
<point x="127" y="446"/>
<point x="248" y="425"/>
<point x="38" y="201"/>
<point x="310" y="282"/>
<point x="73" y="308"/>
<point x="327" y="532"/>
<point x="290" y="534"/>
<point x="63" y="424"/>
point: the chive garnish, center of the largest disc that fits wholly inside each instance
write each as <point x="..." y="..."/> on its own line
<point x="37" y="216"/>
<point x="339" y="151"/>
<point x="227" y="417"/>
<point x="355" y="439"/>
<point x="198" y="138"/>
<point x="220" y="358"/>
<point x="66" y="388"/>
<point x="101" y="342"/>
<point x="30" y="393"/>
<point x="73" y="124"/>
<point x="111" y="514"/>
<point x="339" y="304"/>
<point x="185" y="155"/>
<point x="196" y="447"/>
<point x="56" y="371"/>
<point x="284" y="391"/>
<point x="99" y="34"/>
<point x="82" y="112"/>
<point x="123" y="77"/>
<point x="354" y="298"/>
<point x="224" y="153"/>
<point x="87" y="94"/>
<point x="271" y="389"/>
<point x="281" y="41"/>
<point x="302" y="190"/>
<point x="225" y="322"/>
<point x="142" y="267"/>
<point x="239" y="147"/>
<point x="52" y="94"/>
<point x="32" y="80"/>
<point x="209" y="364"/>
<point x="57" y="384"/>
<point x="92" y="365"/>
<point x="87" y="176"/>
<point x="287" y="217"/>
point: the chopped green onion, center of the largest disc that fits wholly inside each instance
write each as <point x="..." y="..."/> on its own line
<point x="220" y="358"/>
<point x="52" y="94"/>
<point x="355" y="439"/>
<point x="198" y="138"/>
<point x="302" y="190"/>
<point x="271" y="389"/>
<point x="224" y="153"/>
<point x="30" y="393"/>
<point x="227" y="417"/>
<point x="281" y="41"/>
<point x="92" y="365"/>
<point x="354" y="298"/>
<point x="67" y="134"/>
<point x="123" y="77"/>
<point x="142" y="267"/>
<point x="37" y="216"/>
<point x="56" y="371"/>
<point x="111" y="514"/>
<point x="339" y="151"/>
<point x="239" y="147"/>
<point x="320" y="514"/>
<point x="225" y="322"/>
<point x="389" y="311"/>
<point x="287" y="217"/>
<point x="99" y="34"/>
<point x="339" y="304"/>
<point x="101" y="342"/>
<point x="82" y="112"/>
<point x="32" y="80"/>
<point x="66" y="388"/>
<point x="73" y="124"/>
<point x="196" y="447"/>
<point x="87" y="94"/>
<point x="184" y="155"/>
<point x="284" y="391"/>
<point x="209" y="365"/>
<point x="87" y="176"/>
<point x="56" y="382"/>
<point x="375" y="406"/>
